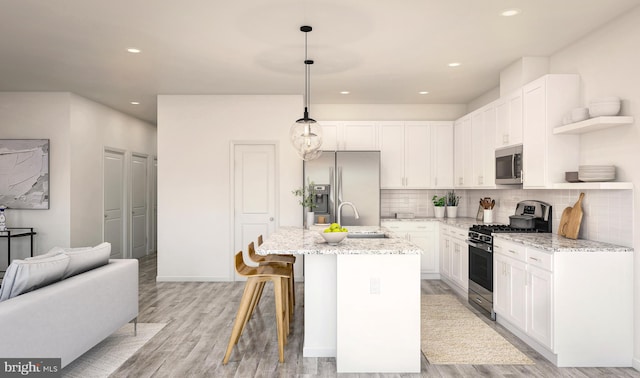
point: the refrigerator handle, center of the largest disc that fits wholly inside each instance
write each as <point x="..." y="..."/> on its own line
<point x="339" y="185"/>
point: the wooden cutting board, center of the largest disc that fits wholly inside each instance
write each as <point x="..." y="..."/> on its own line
<point x="562" y="228"/>
<point x="575" y="219"/>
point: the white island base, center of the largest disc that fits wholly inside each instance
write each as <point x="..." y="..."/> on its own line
<point x="364" y="310"/>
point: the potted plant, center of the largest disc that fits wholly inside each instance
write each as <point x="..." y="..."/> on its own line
<point x="439" y="205"/>
<point x="452" y="204"/>
<point x="307" y="194"/>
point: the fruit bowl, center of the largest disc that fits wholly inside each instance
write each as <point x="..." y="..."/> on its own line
<point x="333" y="238"/>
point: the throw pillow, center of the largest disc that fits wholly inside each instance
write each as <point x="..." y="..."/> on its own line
<point x="86" y="258"/>
<point x="23" y="276"/>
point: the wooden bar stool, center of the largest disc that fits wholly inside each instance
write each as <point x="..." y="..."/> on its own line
<point x="286" y="261"/>
<point x="257" y="276"/>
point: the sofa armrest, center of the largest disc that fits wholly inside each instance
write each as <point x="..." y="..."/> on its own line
<point x="67" y="318"/>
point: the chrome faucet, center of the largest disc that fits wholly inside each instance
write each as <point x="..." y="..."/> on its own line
<point x="340" y="211"/>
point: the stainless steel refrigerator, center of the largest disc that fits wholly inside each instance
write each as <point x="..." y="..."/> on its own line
<point x="346" y="176"/>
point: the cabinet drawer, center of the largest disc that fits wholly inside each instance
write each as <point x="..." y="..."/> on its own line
<point x="459" y="233"/>
<point x="540" y="259"/>
<point x="513" y="250"/>
<point x="409" y="226"/>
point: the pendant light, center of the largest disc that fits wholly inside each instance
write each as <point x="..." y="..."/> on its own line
<point x="306" y="133"/>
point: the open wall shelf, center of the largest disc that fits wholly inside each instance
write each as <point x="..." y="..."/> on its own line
<point x="593" y="185"/>
<point x="593" y="124"/>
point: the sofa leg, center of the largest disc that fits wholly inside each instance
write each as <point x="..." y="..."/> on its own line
<point x="135" y="326"/>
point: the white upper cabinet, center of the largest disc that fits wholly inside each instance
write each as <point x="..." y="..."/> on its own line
<point x="489" y="117"/>
<point x="482" y="147"/>
<point x="359" y="136"/>
<point x="391" y="155"/>
<point x="405" y="154"/>
<point x="349" y="135"/>
<point x="329" y="135"/>
<point x="442" y="154"/>
<point x="417" y="154"/>
<point x="462" y="169"/>
<point x="508" y="128"/>
<point x="546" y="157"/>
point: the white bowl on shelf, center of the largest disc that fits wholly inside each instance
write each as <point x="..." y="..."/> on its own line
<point x="605" y="106"/>
<point x="579" y="114"/>
<point x="333" y="238"/>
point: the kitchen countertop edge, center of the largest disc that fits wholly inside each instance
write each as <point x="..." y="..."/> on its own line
<point x="555" y="243"/>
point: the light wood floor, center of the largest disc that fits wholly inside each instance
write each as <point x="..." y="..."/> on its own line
<point x="199" y="317"/>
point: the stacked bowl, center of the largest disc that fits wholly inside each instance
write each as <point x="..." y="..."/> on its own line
<point x="604" y="106"/>
<point x="597" y="173"/>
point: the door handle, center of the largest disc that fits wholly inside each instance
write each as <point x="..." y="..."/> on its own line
<point x="271" y="219"/>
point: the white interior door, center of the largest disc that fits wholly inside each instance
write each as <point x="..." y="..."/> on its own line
<point x="138" y="206"/>
<point x="254" y="194"/>
<point x="113" y="183"/>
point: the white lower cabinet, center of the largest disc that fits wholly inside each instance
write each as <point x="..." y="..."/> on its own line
<point x="424" y="234"/>
<point x="574" y="308"/>
<point x="509" y="292"/>
<point x="454" y="258"/>
<point x="539" y="309"/>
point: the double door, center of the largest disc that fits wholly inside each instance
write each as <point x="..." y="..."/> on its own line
<point x="126" y="203"/>
<point x="523" y="292"/>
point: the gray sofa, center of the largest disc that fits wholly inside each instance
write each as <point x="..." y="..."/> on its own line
<point x="67" y="318"/>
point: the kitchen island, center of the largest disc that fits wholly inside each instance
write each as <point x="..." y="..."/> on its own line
<point x="362" y="299"/>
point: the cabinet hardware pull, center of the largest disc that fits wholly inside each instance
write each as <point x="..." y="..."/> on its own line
<point x="534" y="259"/>
<point x="512" y="251"/>
<point x="478" y="300"/>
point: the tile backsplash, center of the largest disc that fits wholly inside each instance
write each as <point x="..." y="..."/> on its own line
<point x="608" y="214"/>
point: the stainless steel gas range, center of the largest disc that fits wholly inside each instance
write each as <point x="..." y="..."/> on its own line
<point x="530" y="216"/>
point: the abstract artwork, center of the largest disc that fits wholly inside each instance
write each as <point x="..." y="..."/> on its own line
<point x="24" y="173"/>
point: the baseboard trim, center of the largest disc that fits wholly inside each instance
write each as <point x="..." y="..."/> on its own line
<point x="635" y="363"/>
<point x="192" y="279"/>
<point x="429" y="276"/>
<point x="461" y="291"/>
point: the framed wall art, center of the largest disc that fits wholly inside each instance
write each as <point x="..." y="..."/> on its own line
<point x="24" y="173"/>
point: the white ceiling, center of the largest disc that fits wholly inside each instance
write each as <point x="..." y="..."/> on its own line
<point x="382" y="51"/>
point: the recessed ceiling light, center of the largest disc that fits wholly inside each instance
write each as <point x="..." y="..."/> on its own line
<point x="454" y="64"/>
<point x="345" y="92"/>
<point x="133" y="50"/>
<point x="423" y="92"/>
<point x="510" y="12"/>
<point x="135" y="103"/>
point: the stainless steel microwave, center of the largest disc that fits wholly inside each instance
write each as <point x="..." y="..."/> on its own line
<point x="509" y="165"/>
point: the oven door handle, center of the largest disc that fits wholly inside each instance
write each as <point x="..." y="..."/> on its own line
<point x="478" y="245"/>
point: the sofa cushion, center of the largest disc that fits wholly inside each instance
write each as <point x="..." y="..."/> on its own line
<point x="86" y="258"/>
<point x="23" y="276"/>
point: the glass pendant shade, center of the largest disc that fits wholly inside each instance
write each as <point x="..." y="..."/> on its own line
<point x="306" y="138"/>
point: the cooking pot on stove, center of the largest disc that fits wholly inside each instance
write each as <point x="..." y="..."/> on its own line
<point x="522" y="221"/>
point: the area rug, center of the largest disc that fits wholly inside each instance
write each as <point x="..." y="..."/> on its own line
<point x="106" y="357"/>
<point x="452" y="334"/>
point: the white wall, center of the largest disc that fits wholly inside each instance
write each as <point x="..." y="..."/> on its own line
<point x="387" y="112"/>
<point x="484" y="99"/>
<point x="94" y="127"/>
<point x="194" y="190"/>
<point x="608" y="61"/>
<point x="27" y="115"/>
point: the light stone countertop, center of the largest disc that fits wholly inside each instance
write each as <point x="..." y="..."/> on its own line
<point x="556" y="243"/>
<point x="298" y="241"/>
<point x="543" y="241"/>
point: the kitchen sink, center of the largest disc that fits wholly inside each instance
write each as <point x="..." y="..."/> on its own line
<point x="367" y="235"/>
